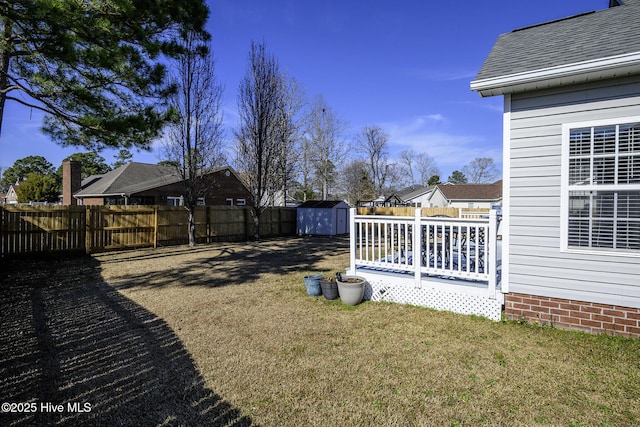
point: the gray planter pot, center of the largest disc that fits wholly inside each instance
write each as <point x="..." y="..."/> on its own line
<point x="312" y="282"/>
<point x="329" y="289"/>
<point x="351" y="289"/>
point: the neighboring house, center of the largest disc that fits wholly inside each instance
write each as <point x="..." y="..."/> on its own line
<point x="279" y="199"/>
<point x="465" y="195"/>
<point x="148" y="184"/>
<point x="382" y="201"/>
<point x="323" y="217"/>
<point x="11" y="198"/>
<point x="571" y="240"/>
<point x="418" y="196"/>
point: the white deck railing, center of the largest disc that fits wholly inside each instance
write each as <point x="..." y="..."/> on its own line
<point x="460" y="248"/>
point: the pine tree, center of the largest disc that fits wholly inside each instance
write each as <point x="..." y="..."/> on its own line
<point x="94" y="67"/>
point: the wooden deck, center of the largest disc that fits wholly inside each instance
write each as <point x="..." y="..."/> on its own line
<point x="458" y="268"/>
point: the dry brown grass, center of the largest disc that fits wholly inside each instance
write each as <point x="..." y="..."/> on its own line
<point x="282" y="358"/>
<point x="285" y="358"/>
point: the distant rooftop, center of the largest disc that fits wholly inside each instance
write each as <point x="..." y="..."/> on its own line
<point x="130" y="178"/>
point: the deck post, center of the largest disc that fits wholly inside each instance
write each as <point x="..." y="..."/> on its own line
<point x="417" y="247"/>
<point x="352" y="239"/>
<point x="492" y="256"/>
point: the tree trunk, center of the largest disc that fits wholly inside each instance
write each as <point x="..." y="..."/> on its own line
<point x="192" y="227"/>
<point x="256" y="221"/>
<point x="5" y="58"/>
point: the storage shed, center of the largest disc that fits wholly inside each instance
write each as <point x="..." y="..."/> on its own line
<point x="323" y="217"/>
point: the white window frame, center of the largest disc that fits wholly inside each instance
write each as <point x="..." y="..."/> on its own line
<point x="241" y="202"/>
<point x="175" y="199"/>
<point x="588" y="187"/>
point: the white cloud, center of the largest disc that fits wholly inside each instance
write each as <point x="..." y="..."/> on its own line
<point x="436" y="117"/>
<point x="432" y="134"/>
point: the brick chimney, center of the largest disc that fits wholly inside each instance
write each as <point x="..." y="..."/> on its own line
<point x="71" y="181"/>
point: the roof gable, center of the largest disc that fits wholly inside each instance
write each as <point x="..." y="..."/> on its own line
<point x="573" y="47"/>
<point x="418" y="192"/>
<point x="478" y="192"/>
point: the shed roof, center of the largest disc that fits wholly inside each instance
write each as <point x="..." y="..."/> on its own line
<point x="320" y="204"/>
<point x="592" y="36"/>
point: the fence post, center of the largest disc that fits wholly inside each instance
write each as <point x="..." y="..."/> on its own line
<point x="155" y="227"/>
<point x="4" y="238"/>
<point x="89" y="231"/>
<point x="417" y="247"/>
<point x="492" y="256"/>
<point x="352" y="240"/>
<point x="208" y="223"/>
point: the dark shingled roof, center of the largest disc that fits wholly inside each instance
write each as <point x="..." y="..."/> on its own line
<point x="418" y="191"/>
<point x="472" y="191"/>
<point x="131" y="178"/>
<point x="589" y="36"/>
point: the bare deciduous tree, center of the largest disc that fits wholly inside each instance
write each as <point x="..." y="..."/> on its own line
<point x="305" y="168"/>
<point x="417" y="168"/>
<point x="372" y="141"/>
<point x="406" y="165"/>
<point x="426" y="168"/>
<point x="481" y="170"/>
<point x="325" y="141"/>
<point x="355" y="182"/>
<point x="194" y="140"/>
<point x="289" y="129"/>
<point x="257" y="141"/>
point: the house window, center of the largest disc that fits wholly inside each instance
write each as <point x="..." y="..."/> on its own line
<point x="241" y="202"/>
<point x="230" y="202"/>
<point x="174" y="201"/>
<point x="601" y="186"/>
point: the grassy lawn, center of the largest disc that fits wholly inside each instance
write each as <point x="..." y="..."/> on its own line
<point x="274" y="356"/>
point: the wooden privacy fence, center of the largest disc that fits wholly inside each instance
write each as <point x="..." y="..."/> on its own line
<point x="38" y="229"/>
<point x="438" y="212"/>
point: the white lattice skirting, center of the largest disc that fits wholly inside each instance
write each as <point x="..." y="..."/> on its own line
<point x="464" y="300"/>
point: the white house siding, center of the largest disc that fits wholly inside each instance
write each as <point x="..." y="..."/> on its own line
<point x="437" y="200"/>
<point x="422" y="200"/>
<point x="474" y="204"/>
<point x="536" y="264"/>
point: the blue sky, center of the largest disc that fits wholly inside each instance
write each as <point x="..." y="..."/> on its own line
<point x="404" y="66"/>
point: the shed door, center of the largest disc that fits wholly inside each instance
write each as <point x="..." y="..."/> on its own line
<point x="341" y="226"/>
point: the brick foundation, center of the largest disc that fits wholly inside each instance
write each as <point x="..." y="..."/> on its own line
<point x="577" y="315"/>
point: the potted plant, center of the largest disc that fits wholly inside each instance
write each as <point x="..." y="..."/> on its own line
<point x="312" y="282"/>
<point x="329" y="288"/>
<point x="350" y="288"/>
